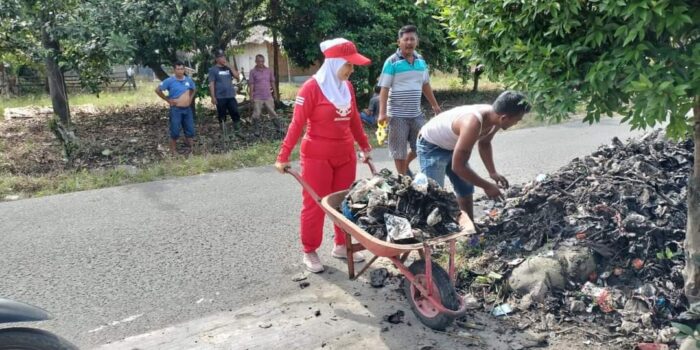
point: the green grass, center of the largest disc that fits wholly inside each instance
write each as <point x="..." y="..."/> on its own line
<point x="36" y="186"/>
<point x="142" y="95"/>
<point x="288" y="91"/>
<point x="452" y="82"/>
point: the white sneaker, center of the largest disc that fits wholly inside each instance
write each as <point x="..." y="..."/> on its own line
<point x="312" y="262"/>
<point x="341" y="252"/>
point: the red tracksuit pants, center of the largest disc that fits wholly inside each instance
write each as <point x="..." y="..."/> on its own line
<point x="325" y="176"/>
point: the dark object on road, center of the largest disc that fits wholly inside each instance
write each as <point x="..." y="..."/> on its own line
<point x="399" y="209"/>
<point x="395" y="318"/>
<point x="303" y="285"/>
<point x="27" y="338"/>
<point x="378" y="276"/>
<point x="317" y="313"/>
<point x="299" y="277"/>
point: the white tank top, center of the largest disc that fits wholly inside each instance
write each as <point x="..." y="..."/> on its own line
<point x="438" y="130"/>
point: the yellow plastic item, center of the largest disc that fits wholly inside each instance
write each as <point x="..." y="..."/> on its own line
<point x="381" y="133"/>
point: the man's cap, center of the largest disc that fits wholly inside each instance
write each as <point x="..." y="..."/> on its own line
<point x="220" y="53"/>
<point x="345" y="49"/>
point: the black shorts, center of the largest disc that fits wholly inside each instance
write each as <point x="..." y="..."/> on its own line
<point x="227" y="105"/>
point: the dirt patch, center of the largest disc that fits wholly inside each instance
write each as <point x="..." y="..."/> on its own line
<point x="136" y="136"/>
<point x="125" y="136"/>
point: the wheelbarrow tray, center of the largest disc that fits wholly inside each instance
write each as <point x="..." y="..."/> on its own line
<point x="331" y="203"/>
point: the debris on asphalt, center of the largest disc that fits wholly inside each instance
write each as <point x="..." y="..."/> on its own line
<point x="317" y="313"/>
<point x="299" y="277"/>
<point x="378" y="277"/>
<point x="265" y="325"/>
<point x="395" y="318"/>
<point x="303" y="285"/>
<point x="400" y="209"/>
<point x="471" y="302"/>
<point x="651" y="346"/>
<point x="598" y="242"/>
<point x="502" y="310"/>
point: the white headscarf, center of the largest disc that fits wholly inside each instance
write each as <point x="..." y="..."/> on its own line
<point x="335" y="90"/>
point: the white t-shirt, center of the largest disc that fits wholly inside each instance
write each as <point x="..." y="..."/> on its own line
<point x="438" y="130"/>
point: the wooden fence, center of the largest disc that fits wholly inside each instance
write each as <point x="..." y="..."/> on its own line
<point x="33" y="84"/>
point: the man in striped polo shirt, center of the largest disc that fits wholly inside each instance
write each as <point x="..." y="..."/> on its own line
<point x="403" y="80"/>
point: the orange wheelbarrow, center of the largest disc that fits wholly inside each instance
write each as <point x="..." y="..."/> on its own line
<point x="430" y="289"/>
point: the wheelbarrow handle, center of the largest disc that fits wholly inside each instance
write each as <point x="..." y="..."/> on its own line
<point x="369" y="162"/>
<point x="308" y="188"/>
<point x="303" y="183"/>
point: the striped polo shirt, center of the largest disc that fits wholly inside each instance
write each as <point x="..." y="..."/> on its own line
<point x="405" y="82"/>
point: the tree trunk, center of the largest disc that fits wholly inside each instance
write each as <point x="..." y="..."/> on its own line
<point x="4" y="86"/>
<point x="158" y="70"/>
<point x="276" y="65"/>
<point x="692" y="236"/>
<point x="57" y="86"/>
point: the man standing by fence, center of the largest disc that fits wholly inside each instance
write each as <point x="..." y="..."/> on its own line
<point x="222" y="91"/>
<point x="403" y="80"/>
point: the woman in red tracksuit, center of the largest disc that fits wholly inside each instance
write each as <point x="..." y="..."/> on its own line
<point x="326" y="106"/>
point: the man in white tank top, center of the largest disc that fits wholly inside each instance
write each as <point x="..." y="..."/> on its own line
<point x="446" y="142"/>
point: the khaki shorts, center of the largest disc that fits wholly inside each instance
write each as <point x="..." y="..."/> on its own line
<point x="269" y="105"/>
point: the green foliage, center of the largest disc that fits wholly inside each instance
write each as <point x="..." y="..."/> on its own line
<point x="85" y="42"/>
<point x="667" y="254"/>
<point x="16" y="38"/>
<point x="160" y="29"/>
<point x="90" y="44"/>
<point x="372" y="25"/>
<point x="638" y="58"/>
<point x="156" y="29"/>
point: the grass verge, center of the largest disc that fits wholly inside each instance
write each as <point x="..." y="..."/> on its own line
<point x="36" y="186"/>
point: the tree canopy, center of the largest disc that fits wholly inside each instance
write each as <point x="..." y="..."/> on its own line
<point x="638" y="58"/>
<point x="372" y="25"/>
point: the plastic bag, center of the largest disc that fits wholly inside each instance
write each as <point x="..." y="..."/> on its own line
<point x="397" y="228"/>
<point x="420" y="183"/>
<point x="381" y="132"/>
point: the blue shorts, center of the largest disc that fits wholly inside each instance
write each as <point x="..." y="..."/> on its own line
<point x="436" y="162"/>
<point x="181" y="117"/>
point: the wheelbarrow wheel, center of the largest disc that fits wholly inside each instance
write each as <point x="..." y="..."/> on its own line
<point x="443" y="291"/>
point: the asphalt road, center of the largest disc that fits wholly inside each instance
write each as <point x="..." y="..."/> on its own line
<point x="123" y="261"/>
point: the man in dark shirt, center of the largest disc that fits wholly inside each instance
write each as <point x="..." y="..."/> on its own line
<point x="369" y="115"/>
<point x="222" y="91"/>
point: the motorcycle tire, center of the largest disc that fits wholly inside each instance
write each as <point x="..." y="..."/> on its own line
<point x="32" y="339"/>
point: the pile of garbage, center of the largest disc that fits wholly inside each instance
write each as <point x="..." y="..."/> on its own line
<point x="599" y="241"/>
<point x="401" y="209"/>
